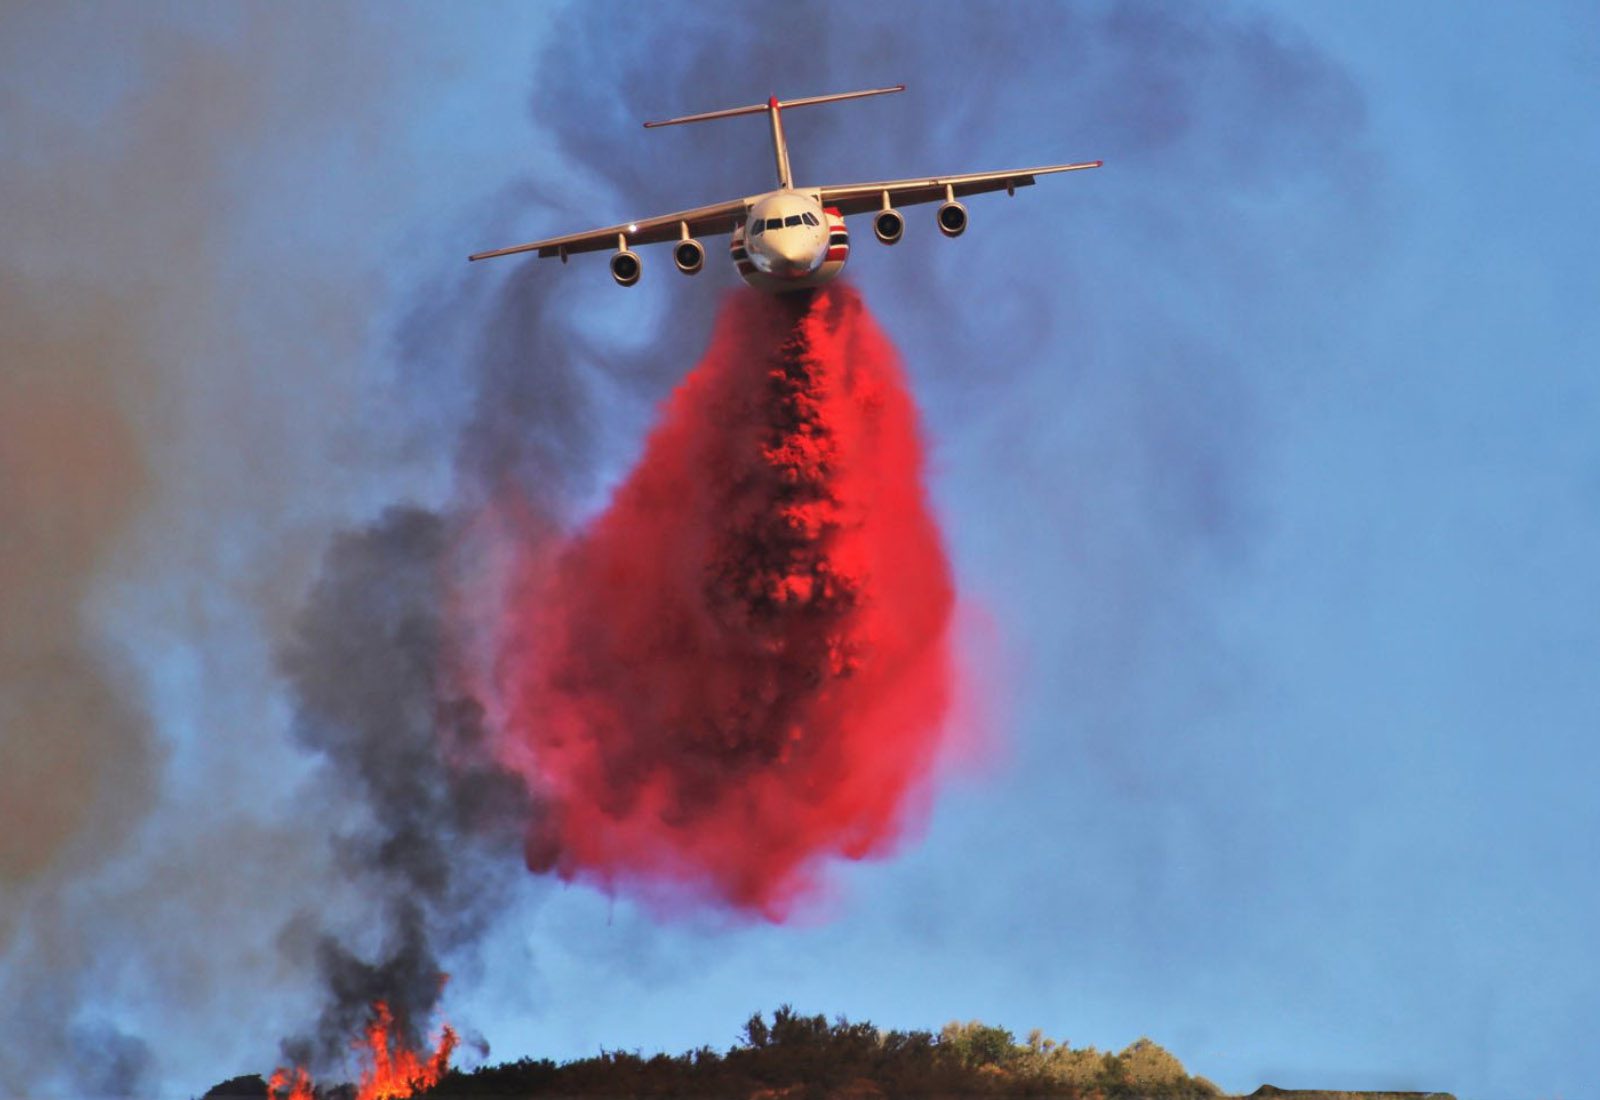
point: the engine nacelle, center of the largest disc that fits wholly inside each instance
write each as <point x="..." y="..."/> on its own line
<point x="888" y="226"/>
<point x="689" y="255"/>
<point x="625" y="267"/>
<point x="952" y="218"/>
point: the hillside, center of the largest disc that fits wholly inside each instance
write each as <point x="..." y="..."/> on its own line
<point x="796" y="1057"/>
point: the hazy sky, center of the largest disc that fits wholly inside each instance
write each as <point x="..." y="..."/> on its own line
<point x="1266" y="456"/>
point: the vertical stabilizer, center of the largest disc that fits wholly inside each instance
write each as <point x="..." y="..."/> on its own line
<point x="780" y="147"/>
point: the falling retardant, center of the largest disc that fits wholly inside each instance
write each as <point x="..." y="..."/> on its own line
<point x="740" y="668"/>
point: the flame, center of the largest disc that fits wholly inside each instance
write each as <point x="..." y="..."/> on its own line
<point x="395" y="1072"/>
<point x="297" y="1084"/>
<point x="390" y="1071"/>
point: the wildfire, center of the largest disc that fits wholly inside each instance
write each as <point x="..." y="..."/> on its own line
<point x="394" y="1071"/>
<point x="390" y="1070"/>
<point x="290" y="1086"/>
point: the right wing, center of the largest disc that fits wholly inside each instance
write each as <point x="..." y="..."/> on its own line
<point x="862" y="198"/>
<point x="702" y="221"/>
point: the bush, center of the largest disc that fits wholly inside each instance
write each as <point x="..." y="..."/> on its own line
<point x="797" y="1057"/>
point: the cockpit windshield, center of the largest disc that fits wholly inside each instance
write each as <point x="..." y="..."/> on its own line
<point x="758" y="226"/>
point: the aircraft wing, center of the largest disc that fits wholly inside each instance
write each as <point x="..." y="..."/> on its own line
<point x="862" y="198"/>
<point x="702" y="221"/>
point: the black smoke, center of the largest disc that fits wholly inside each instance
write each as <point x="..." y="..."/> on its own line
<point x="370" y="664"/>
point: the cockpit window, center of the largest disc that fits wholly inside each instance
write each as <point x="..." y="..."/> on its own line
<point x="774" y="223"/>
<point x="792" y="219"/>
<point x="757" y="226"/>
<point x="810" y="218"/>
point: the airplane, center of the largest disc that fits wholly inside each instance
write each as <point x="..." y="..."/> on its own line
<point x="791" y="238"/>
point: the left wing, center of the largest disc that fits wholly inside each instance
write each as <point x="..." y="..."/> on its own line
<point x="701" y="221"/>
<point x="862" y="198"/>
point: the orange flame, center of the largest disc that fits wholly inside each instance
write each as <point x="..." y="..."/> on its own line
<point x="297" y="1083"/>
<point x="395" y="1072"/>
<point x="389" y="1071"/>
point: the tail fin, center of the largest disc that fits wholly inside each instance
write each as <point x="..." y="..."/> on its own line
<point x="772" y="107"/>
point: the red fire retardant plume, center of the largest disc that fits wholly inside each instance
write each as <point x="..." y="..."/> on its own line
<point x="741" y="667"/>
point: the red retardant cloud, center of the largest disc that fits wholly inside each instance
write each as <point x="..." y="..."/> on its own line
<point x="741" y="667"/>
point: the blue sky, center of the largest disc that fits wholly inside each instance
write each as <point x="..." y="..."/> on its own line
<point x="1268" y="452"/>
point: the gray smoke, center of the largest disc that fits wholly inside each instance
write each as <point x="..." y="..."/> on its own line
<point x="375" y="665"/>
<point x="370" y="664"/>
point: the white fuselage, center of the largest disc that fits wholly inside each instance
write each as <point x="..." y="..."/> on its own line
<point x="789" y="242"/>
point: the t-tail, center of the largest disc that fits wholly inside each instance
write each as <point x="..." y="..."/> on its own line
<point x="774" y="108"/>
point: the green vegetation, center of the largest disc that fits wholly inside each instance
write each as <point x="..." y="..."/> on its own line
<point x="795" y="1057"/>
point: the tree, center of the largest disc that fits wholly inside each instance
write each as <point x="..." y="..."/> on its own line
<point x="1149" y="1066"/>
<point x="756" y="1033"/>
<point x="978" y="1044"/>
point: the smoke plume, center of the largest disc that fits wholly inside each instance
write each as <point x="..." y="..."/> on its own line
<point x="76" y="755"/>
<point x="371" y="667"/>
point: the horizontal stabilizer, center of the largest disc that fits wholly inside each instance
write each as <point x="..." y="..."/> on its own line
<point x="781" y="104"/>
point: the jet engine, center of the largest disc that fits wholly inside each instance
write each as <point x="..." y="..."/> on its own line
<point x="625" y="268"/>
<point x="689" y="255"/>
<point x="888" y="225"/>
<point x="952" y="218"/>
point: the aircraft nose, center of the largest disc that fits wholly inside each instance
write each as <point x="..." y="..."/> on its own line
<point x="797" y="256"/>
